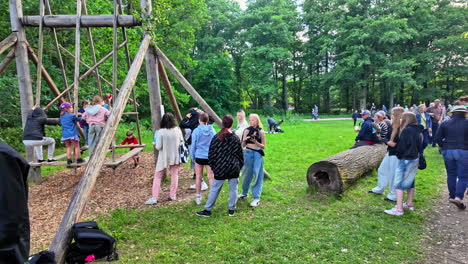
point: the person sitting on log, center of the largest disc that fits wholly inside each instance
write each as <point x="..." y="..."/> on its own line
<point x="389" y="164"/>
<point x="34" y="134"/>
<point x="408" y="151"/>
<point x="367" y="134"/>
<point x="130" y="139"/>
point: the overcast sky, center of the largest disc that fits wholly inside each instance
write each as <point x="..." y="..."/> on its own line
<point x="242" y="3"/>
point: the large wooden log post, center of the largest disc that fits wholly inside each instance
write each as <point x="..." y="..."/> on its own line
<point x="61" y="21"/>
<point x="336" y="173"/>
<point x="24" y="76"/>
<point x="188" y="87"/>
<point x="170" y="93"/>
<point x="90" y="174"/>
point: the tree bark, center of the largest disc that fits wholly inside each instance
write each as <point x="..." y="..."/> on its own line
<point x="336" y="173"/>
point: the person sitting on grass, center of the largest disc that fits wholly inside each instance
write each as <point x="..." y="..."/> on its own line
<point x="201" y="139"/>
<point x="96" y="116"/>
<point x="34" y="134"/>
<point x="408" y="150"/>
<point x="167" y="143"/>
<point x="70" y="134"/>
<point x="226" y="159"/>
<point x="367" y="134"/>
<point x="132" y="140"/>
<point x="452" y="139"/>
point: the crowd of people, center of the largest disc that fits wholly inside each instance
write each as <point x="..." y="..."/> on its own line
<point x="407" y="133"/>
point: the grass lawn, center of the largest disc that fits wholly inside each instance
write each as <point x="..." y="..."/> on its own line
<point x="290" y="224"/>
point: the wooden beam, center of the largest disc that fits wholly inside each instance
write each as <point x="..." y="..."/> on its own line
<point x="76" y="75"/>
<point x="91" y="47"/>
<point x="7" y="60"/>
<point x="24" y="76"/>
<point x="188" y="87"/>
<point x="154" y="89"/>
<point x="41" y="47"/>
<point x="61" y="21"/>
<point x="170" y="93"/>
<point x="57" y="49"/>
<point x="8" y="42"/>
<point x="44" y="72"/>
<point x="115" y="55"/>
<point x="90" y="70"/>
<point x="91" y="172"/>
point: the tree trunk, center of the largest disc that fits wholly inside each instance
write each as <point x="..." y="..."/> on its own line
<point x="285" y="90"/>
<point x="336" y="173"/>
<point x="363" y="99"/>
<point x="391" y="97"/>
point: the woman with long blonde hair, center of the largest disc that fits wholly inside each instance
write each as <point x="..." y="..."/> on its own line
<point x="389" y="164"/>
<point x="408" y="150"/>
<point x="253" y="140"/>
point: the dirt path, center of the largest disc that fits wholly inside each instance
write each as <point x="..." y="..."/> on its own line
<point x="328" y="119"/>
<point x="447" y="233"/>
<point x="129" y="188"/>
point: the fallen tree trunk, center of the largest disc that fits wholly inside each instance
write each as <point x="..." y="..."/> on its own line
<point x="336" y="173"/>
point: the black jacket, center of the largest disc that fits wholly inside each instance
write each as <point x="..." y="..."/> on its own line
<point x="453" y="133"/>
<point x="34" y="128"/>
<point x="410" y="144"/>
<point x="392" y="151"/>
<point x="226" y="158"/>
<point x="14" y="218"/>
<point x="366" y="133"/>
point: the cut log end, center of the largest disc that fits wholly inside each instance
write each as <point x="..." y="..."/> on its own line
<point x="324" y="176"/>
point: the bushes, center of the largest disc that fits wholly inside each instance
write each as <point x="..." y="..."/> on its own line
<point x="13" y="136"/>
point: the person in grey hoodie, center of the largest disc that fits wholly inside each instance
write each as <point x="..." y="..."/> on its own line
<point x="96" y="116"/>
<point x="201" y="139"/>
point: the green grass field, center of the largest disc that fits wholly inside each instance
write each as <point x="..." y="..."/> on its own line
<point x="291" y="224"/>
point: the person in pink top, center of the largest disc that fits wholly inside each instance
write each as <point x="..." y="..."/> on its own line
<point x="96" y="116"/>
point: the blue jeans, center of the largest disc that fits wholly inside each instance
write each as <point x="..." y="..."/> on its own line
<point x="85" y="132"/>
<point x="425" y="139"/>
<point x="216" y="189"/>
<point x="435" y="126"/>
<point x="456" y="164"/>
<point x="405" y="174"/>
<point x="253" y="168"/>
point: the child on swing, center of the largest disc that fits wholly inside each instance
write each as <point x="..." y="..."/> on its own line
<point x="132" y="140"/>
<point x="70" y="132"/>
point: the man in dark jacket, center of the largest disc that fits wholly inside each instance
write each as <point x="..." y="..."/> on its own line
<point x="452" y="137"/>
<point x="367" y="134"/>
<point x="14" y="218"/>
<point x="34" y="134"/>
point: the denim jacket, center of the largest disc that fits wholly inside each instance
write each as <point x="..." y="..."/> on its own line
<point x="428" y="119"/>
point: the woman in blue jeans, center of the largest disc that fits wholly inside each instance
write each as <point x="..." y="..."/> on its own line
<point x="253" y="140"/>
<point x="452" y="138"/>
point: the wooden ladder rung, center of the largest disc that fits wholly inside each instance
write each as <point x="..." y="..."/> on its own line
<point x="130" y="146"/>
<point x="130" y="113"/>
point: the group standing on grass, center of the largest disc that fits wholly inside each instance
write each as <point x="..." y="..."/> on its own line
<point x="225" y="156"/>
<point x="408" y="135"/>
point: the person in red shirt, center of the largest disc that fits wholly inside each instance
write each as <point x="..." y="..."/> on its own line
<point x="131" y="140"/>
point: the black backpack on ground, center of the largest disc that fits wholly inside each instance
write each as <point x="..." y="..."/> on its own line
<point x="88" y="240"/>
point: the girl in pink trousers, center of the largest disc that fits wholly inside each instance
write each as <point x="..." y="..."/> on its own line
<point x="167" y="143"/>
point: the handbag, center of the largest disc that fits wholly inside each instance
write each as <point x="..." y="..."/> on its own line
<point x="422" y="162"/>
<point x="183" y="152"/>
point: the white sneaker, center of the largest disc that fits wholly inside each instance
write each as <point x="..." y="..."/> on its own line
<point x="192" y="187"/>
<point x="198" y="199"/>
<point x="151" y="201"/>
<point x="204" y="186"/>
<point x="394" y="211"/>
<point x="255" y="202"/>
<point x="241" y="196"/>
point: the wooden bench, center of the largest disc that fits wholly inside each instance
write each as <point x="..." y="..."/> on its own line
<point x="117" y="162"/>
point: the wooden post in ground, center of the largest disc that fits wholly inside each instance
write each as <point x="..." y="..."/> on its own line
<point x="93" y="53"/>
<point x="188" y="87"/>
<point x="24" y="77"/>
<point x="76" y="75"/>
<point x="170" y="93"/>
<point x="90" y="174"/>
<point x="154" y="92"/>
<point x="39" y="63"/>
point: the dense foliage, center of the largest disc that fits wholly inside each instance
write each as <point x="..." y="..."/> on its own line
<point x="338" y="54"/>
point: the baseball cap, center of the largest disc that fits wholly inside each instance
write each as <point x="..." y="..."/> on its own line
<point x="65" y="105"/>
<point x="436" y="101"/>
<point x="459" y="108"/>
<point x="366" y="112"/>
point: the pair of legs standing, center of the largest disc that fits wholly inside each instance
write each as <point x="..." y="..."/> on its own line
<point x="199" y="164"/>
<point x="214" y="193"/>
<point x="174" y="171"/>
<point x="456" y="164"/>
<point x="94" y="134"/>
<point x="253" y="169"/>
<point x="73" y="145"/>
<point x="386" y="177"/>
<point x="405" y="175"/>
<point x="37" y="145"/>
